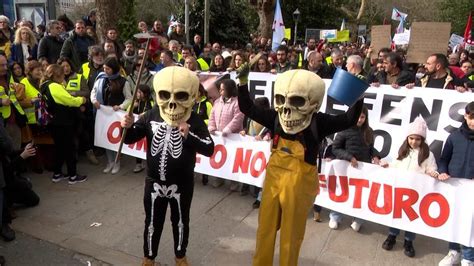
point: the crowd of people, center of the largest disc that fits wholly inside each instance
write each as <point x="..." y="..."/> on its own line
<point x="54" y="78"/>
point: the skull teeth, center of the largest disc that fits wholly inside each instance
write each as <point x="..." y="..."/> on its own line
<point x="293" y="123"/>
<point x="175" y="117"/>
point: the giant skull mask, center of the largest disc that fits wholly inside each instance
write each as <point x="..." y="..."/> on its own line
<point x="298" y="94"/>
<point x="176" y="90"/>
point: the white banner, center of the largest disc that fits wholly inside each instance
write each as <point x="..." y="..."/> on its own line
<point x="414" y="202"/>
<point x="405" y="200"/>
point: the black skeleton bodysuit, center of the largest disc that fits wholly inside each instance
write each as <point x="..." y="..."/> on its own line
<point x="170" y="175"/>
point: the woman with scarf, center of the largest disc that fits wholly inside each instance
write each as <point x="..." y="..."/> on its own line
<point x="111" y="89"/>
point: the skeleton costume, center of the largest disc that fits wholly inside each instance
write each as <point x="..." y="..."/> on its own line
<point x="291" y="181"/>
<point x="170" y="156"/>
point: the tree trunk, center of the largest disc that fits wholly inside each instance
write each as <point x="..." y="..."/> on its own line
<point x="108" y="14"/>
<point x="266" y="12"/>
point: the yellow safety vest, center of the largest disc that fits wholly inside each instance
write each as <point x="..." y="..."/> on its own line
<point x="74" y="84"/>
<point x="328" y="60"/>
<point x="5" y="110"/>
<point x="471" y="77"/>
<point x="30" y="92"/>
<point x="300" y="60"/>
<point x="203" y="64"/>
<point x="85" y="69"/>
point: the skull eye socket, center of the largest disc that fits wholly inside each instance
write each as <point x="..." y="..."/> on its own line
<point x="296" y="101"/>
<point x="279" y="99"/>
<point x="164" y="95"/>
<point x="182" y="96"/>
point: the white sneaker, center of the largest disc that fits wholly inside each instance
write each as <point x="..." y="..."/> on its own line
<point x="465" y="262"/>
<point x="356" y="226"/>
<point x="333" y="224"/>
<point x="108" y="168"/>
<point x="116" y="168"/>
<point x="453" y="257"/>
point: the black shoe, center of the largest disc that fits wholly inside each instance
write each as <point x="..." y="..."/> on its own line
<point x="256" y="204"/>
<point x="7" y="233"/>
<point x="77" y="179"/>
<point x="389" y="242"/>
<point x="409" y="250"/>
<point x="2" y="260"/>
<point x="205" y="180"/>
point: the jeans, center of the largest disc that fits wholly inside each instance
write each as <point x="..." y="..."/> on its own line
<point x="467" y="252"/>
<point x="337" y="216"/>
<point x="408" y="235"/>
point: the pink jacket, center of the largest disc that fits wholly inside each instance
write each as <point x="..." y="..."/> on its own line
<point x="226" y="116"/>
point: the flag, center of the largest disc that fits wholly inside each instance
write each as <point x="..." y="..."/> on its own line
<point x="397" y="15"/>
<point x="343" y="25"/>
<point x="400" y="28"/>
<point x="278" y="27"/>
<point x="467" y="31"/>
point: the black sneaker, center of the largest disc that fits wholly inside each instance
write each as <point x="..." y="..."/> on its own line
<point x="58" y="177"/>
<point x="77" y="179"/>
<point x="409" y="250"/>
<point x="7" y="233"/>
<point x="389" y="242"/>
<point x="256" y="204"/>
<point x="205" y="179"/>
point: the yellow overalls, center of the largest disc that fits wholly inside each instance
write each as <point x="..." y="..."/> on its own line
<point x="289" y="191"/>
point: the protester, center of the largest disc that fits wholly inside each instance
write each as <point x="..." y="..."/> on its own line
<point x="50" y="46"/>
<point x="142" y="104"/>
<point x="17" y="71"/>
<point x="91" y="69"/>
<point x="217" y="64"/>
<point x="316" y="65"/>
<point x="226" y="118"/>
<point x="7" y="35"/>
<point x="169" y="178"/>
<point x="413" y="155"/>
<point x="24" y="47"/>
<point x="76" y="46"/>
<point x="129" y="56"/>
<point x="111" y="89"/>
<point x="259" y="133"/>
<point x="437" y="74"/>
<point x="283" y="63"/>
<point x="262" y="65"/>
<point x="355" y="145"/>
<point x="456" y="162"/>
<point x="63" y="108"/>
<point x="76" y="85"/>
<point x="394" y="73"/>
<point x="237" y="60"/>
<point x="202" y="107"/>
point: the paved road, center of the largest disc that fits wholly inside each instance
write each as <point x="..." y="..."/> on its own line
<point x="27" y="250"/>
<point x="223" y="226"/>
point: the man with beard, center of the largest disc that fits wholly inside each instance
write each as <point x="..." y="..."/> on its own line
<point x="311" y="46"/>
<point x="75" y="47"/>
<point x="283" y="63"/>
<point x="437" y="74"/>
<point x="394" y="73"/>
<point x="316" y="65"/>
<point x="129" y="56"/>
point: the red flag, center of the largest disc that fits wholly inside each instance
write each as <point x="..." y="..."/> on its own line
<point x="467" y="31"/>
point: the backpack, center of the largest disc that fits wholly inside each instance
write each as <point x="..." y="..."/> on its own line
<point x="45" y="108"/>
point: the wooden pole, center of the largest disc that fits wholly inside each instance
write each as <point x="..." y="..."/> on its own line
<point x="130" y="111"/>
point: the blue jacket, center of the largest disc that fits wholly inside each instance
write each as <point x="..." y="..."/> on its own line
<point x="457" y="158"/>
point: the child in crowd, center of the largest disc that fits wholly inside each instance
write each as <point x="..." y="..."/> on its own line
<point x="354" y="144"/>
<point x="143" y="103"/>
<point x="413" y="155"/>
<point x="203" y="108"/>
<point x="457" y="161"/>
<point x="260" y="133"/>
<point x="227" y="118"/>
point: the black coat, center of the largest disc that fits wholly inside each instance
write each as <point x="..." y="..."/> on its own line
<point x="350" y="143"/>
<point x="404" y="77"/>
<point x="50" y="48"/>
